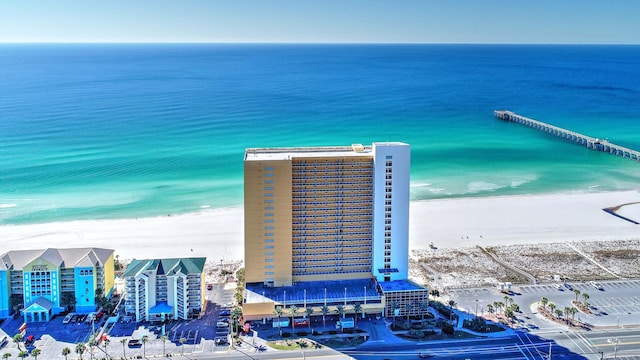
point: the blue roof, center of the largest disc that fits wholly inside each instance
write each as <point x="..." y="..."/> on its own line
<point x="161" y="308"/>
<point x="314" y="291"/>
<point x="400" y="285"/>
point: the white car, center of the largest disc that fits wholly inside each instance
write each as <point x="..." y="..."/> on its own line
<point x="596" y="285"/>
<point x="558" y="286"/>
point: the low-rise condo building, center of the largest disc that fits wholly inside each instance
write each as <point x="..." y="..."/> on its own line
<point x="163" y="289"/>
<point x="47" y="282"/>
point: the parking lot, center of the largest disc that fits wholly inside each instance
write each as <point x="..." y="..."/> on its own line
<point x="199" y="334"/>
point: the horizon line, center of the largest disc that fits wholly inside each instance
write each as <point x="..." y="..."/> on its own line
<point x="298" y="43"/>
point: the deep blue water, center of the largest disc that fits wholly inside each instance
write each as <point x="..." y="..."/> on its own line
<point x="111" y="131"/>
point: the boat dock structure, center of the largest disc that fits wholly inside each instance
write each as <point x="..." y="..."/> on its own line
<point x="588" y="141"/>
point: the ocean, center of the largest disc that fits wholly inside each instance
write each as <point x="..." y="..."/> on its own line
<point x="103" y="131"/>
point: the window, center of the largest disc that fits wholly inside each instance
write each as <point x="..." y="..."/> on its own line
<point x="268" y="175"/>
<point x="268" y="188"/>
<point x="268" y="260"/>
<point x="268" y="272"/>
<point x="268" y="247"/>
<point x="268" y="214"/>
<point x="268" y="253"/>
<point x="387" y="190"/>
<point x="268" y="227"/>
<point x="268" y="181"/>
<point x="387" y="228"/>
<point x="268" y="168"/>
<point x="389" y="163"/>
<point x="387" y="202"/>
<point x="268" y="220"/>
<point x="389" y="177"/>
<point x="268" y="240"/>
<point x="268" y="194"/>
<point x="268" y="201"/>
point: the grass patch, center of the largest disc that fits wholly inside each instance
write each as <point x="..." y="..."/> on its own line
<point x="299" y="344"/>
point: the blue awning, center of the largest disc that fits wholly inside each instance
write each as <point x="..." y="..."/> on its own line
<point x="161" y="308"/>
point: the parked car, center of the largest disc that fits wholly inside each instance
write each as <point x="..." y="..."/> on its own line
<point x="134" y="343"/>
<point x="4" y="342"/>
<point x="225" y="312"/>
<point x="568" y="286"/>
<point x="558" y="286"/>
<point x="222" y="324"/>
<point x="67" y="319"/>
<point x="596" y="285"/>
<point x="221" y="341"/>
<point x="29" y="340"/>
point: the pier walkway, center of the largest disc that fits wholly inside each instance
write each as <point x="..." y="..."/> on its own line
<point x="588" y="141"/>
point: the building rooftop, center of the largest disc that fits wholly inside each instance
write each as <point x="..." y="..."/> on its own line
<point x="306" y="152"/>
<point x="314" y="292"/>
<point x="66" y="258"/>
<point x="166" y="266"/>
<point x="399" y="285"/>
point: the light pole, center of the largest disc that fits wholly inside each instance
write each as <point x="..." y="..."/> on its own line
<point x="476" y="307"/>
<point x="614" y="342"/>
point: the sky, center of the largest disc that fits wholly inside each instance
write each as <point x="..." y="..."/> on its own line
<point x="322" y="21"/>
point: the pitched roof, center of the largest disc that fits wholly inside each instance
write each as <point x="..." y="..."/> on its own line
<point x="66" y="258"/>
<point x="167" y="266"/>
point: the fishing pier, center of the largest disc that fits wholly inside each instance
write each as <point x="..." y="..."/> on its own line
<point x="588" y="141"/>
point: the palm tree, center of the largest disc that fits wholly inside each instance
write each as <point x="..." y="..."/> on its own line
<point x="499" y="305"/>
<point x="340" y="310"/>
<point x="324" y="310"/>
<point x="144" y="345"/>
<point x="123" y="341"/>
<point x="236" y="314"/>
<point x="585" y="296"/>
<point x="293" y="310"/>
<point x="424" y="308"/>
<point x="507" y="300"/>
<point x="490" y="308"/>
<point x="573" y="313"/>
<point x="17" y="338"/>
<point x="509" y="314"/>
<point x="164" y="341"/>
<point x="182" y="341"/>
<point x="435" y="293"/>
<point x="35" y="352"/>
<point x="552" y="306"/>
<point x="23" y="354"/>
<point x="408" y="307"/>
<point x="544" y="301"/>
<point x="357" y="308"/>
<point x="6" y="356"/>
<point x="80" y="349"/>
<point x="92" y="343"/>
<point x="394" y="308"/>
<point x="452" y="304"/>
<point x="65" y="352"/>
<point x="309" y="312"/>
<point x="558" y="313"/>
<point x="567" y="311"/>
<point x="577" y="292"/>
<point x="278" y="311"/>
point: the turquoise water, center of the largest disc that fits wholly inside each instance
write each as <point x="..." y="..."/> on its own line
<point x="118" y="131"/>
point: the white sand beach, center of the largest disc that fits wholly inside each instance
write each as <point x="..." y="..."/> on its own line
<point x="218" y="234"/>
